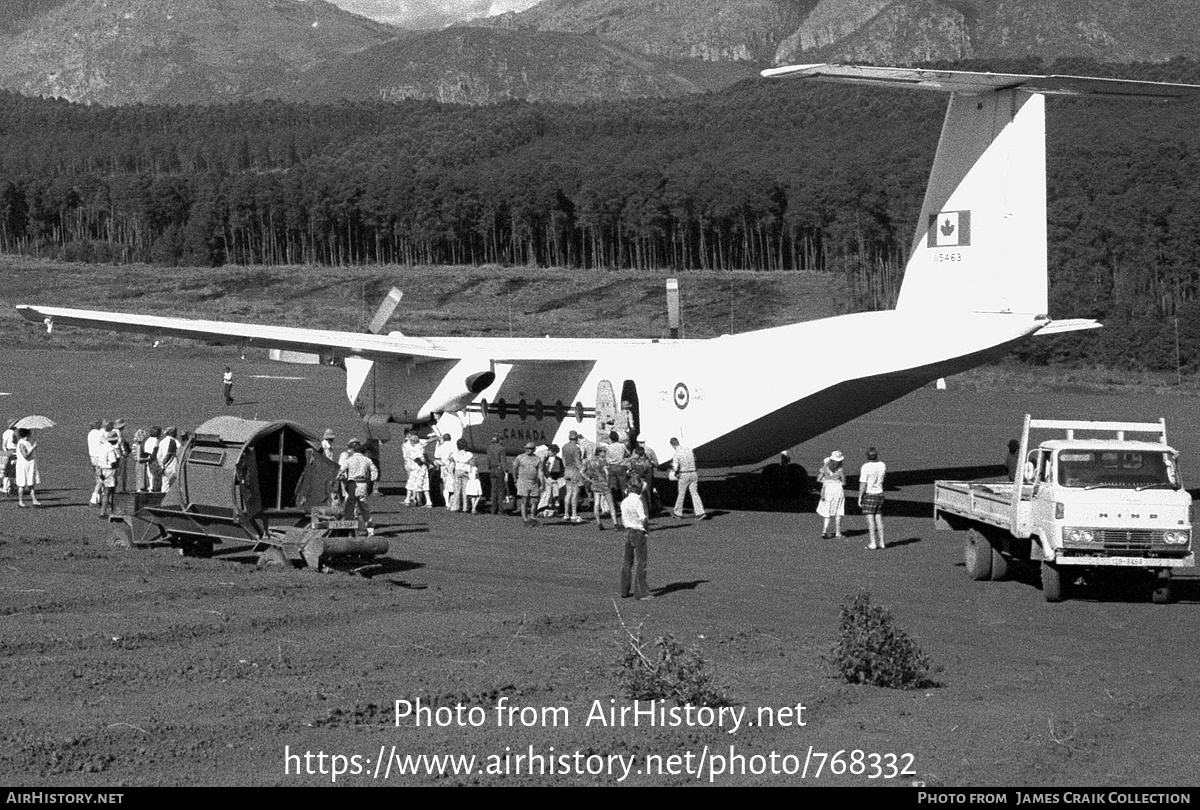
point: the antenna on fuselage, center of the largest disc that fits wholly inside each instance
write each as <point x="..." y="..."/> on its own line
<point x="674" y="323"/>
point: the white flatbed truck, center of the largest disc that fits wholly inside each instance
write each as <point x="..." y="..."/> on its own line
<point x="1083" y="503"/>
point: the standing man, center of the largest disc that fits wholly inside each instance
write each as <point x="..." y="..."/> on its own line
<point x="1010" y="461"/>
<point x="683" y="464"/>
<point x="637" y="552"/>
<point x="111" y="463"/>
<point x="327" y="444"/>
<point x="553" y="471"/>
<point x="445" y="462"/>
<point x="870" y="496"/>
<point x="8" y="455"/>
<point x="497" y="473"/>
<point x="97" y="447"/>
<point x="527" y="469"/>
<point x="359" y="472"/>
<point x="150" y="453"/>
<point x="572" y="456"/>
<point x="123" y="447"/>
<point x="227" y="386"/>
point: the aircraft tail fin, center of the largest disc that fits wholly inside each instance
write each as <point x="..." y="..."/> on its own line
<point x="980" y="242"/>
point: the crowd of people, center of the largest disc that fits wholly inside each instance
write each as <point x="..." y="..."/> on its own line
<point x="148" y="461"/>
<point x="547" y="480"/>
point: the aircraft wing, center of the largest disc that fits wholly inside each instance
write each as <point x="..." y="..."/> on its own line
<point x="968" y="82"/>
<point x="329" y="344"/>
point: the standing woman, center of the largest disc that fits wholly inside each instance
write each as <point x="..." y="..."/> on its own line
<point x="832" y="506"/>
<point x="27" y="468"/>
<point x="870" y="496"/>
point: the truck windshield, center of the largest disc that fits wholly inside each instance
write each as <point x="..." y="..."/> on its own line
<point x="1093" y="469"/>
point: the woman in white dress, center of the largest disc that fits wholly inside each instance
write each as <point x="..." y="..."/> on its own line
<point x="832" y="506"/>
<point x="27" y="468"/>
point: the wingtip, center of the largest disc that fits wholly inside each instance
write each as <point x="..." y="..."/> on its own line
<point x="792" y="70"/>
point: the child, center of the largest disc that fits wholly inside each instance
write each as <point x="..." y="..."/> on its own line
<point x="418" y="484"/>
<point x="474" y="488"/>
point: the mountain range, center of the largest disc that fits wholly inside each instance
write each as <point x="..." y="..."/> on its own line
<point x="205" y="51"/>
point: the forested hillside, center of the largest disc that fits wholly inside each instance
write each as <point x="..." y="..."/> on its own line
<point x="766" y="175"/>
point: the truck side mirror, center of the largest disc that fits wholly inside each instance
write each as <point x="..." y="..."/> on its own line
<point x="1030" y="472"/>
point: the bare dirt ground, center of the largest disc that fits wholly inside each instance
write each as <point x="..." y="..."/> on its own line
<point x="147" y="668"/>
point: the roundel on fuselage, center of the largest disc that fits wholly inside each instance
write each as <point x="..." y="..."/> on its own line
<point x="682" y="396"/>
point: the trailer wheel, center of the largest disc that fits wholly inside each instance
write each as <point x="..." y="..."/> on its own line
<point x="1052" y="582"/>
<point x="999" y="565"/>
<point x="120" y="535"/>
<point x="978" y="556"/>
<point x="272" y="555"/>
<point x="1164" y="591"/>
<point x="197" y="548"/>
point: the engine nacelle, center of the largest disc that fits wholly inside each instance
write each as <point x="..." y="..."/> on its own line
<point x="473" y="385"/>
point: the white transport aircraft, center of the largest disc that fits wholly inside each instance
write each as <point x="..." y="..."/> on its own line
<point x="975" y="285"/>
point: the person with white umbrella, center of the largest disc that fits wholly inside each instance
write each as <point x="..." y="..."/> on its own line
<point x="28" y="476"/>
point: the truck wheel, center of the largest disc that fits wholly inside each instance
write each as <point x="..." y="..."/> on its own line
<point x="978" y="556"/>
<point x="1164" y="592"/>
<point x="120" y="535"/>
<point x="999" y="565"/>
<point x="1052" y="582"/>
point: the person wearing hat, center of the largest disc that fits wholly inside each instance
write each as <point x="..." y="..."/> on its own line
<point x="327" y="444"/>
<point x="527" y="470"/>
<point x="832" y="505"/>
<point x="109" y="470"/>
<point x="358" y="472"/>
<point x="123" y="447"/>
<point x="572" y="457"/>
<point x="497" y="474"/>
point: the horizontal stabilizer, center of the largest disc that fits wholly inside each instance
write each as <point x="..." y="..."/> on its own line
<point x="971" y="83"/>
<point x="1068" y="325"/>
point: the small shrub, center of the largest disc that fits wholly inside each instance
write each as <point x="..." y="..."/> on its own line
<point x="666" y="669"/>
<point x="872" y="650"/>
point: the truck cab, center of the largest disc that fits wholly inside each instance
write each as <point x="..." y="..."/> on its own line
<point x="1090" y="497"/>
<point x="1119" y="502"/>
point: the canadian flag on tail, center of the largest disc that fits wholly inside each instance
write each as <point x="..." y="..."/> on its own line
<point x="950" y="229"/>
